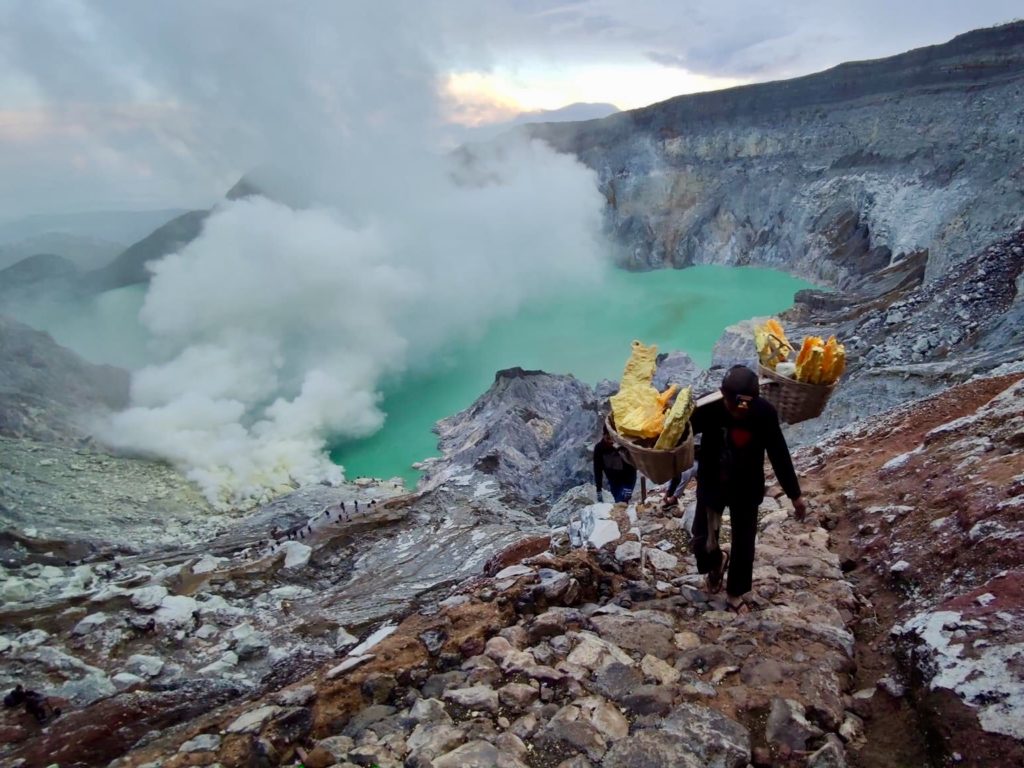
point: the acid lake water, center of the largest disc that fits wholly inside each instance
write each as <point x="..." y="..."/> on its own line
<point x="586" y="334"/>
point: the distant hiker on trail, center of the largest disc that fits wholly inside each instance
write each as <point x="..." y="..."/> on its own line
<point x="610" y="461"/>
<point x="736" y="433"/>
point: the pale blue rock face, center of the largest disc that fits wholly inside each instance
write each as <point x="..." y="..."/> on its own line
<point x="828" y="174"/>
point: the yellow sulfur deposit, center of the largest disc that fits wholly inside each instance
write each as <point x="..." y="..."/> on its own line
<point x="818" y="362"/>
<point x="772" y="345"/>
<point x="638" y="408"/>
<point x="833" y="363"/>
<point x="676" y="420"/>
<point x="808" y="362"/>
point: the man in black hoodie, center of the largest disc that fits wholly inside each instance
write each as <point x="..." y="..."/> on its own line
<point x="736" y="432"/>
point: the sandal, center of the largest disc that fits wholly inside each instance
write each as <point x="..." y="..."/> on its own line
<point x="716" y="578"/>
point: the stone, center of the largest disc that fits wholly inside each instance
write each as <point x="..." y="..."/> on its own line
<point x="616" y="681"/>
<point x="628" y="551"/>
<point x="176" y="611"/>
<point x="649" y="700"/>
<point x="438" y="684"/>
<point x="517" y="697"/>
<point x="253" y="720"/>
<point x="516" y="635"/>
<point x="852" y="729"/>
<point x="788" y="725"/>
<point x="686" y="641"/>
<point x="344" y="639"/>
<point x="631" y="633"/>
<point x="89" y="624"/>
<point x="594" y="652"/>
<point x="296" y="554"/>
<point x="207" y="564"/>
<point x="14" y="590"/>
<point x="661" y="561"/>
<point x="33" y="638"/>
<point x="525" y="726"/>
<point x="367" y="717"/>
<point x="430" y="740"/>
<point x="497" y="648"/>
<point x="148" y="598"/>
<point x="647" y="749"/>
<point x="514" y="571"/>
<point x="658" y="670"/>
<point x="252" y="645"/>
<point x="295" y="697"/>
<point x="605" y="717"/>
<point x="338" y="746"/>
<point x="373" y="755"/>
<point x="477" y="754"/>
<point x="478" y="697"/>
<point x="714" y="738"/>
<point x="381" y="633"/>
<point x="225" y="663"/>
<point x="429" y="711"/>
<point x="548" y="624"/>
<point x="348" y="664"/>
<point x="144" y="666"/>
<point x="481" y="671"/>
<point x="553" y="584"/>
<point x="123" y="680"/>
<point x="433" y="640"/>
<point x="205" y="742"/>
<point x="318" y="757"/>
<point x="831" y="755"/>
<point x="570" y="727"/>
<point x="720" y="673"/>
<point x="377" y="687"/>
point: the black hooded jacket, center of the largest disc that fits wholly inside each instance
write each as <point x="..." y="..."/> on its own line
<point x="732" y="454"/>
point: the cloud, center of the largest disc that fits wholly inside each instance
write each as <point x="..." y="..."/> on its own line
<point x="280" y="324"/>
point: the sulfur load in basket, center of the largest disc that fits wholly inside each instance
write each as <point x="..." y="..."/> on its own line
<point x="799" y="390"/>
<point x="660" y="445"/>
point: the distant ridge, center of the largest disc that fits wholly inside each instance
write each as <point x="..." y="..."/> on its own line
<point x="979" y="56"/>
<point x="130" y="267"/>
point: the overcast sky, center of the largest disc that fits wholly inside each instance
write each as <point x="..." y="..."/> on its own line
<point x="142" y="104"/>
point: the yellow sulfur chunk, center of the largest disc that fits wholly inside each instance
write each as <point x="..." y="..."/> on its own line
<point x="676" y="420"/>
<point x="833" y="362"/>
<point x="805" y="350"/>
<point x="772" y="345"/>
<point x="774" y="327"/>
<point x="640" y="366"/>
<point x="665" y="396"/>
<point x="809" y="371"/>
<point x="638" y="409"/>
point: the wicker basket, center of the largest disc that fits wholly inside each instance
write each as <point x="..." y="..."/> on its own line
<point x="794" y="400"/>
<point x="656" y="466"/>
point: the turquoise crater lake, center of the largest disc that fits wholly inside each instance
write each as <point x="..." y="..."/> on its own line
<point x="586" y="334"/>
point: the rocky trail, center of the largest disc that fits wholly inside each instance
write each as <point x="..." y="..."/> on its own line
<point x="576" y="657"/>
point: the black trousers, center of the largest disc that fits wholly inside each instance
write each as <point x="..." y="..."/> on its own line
<point x="706" y="546"/>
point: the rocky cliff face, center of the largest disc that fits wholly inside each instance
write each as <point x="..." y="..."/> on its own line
<point x="829" y="175"/>
<point x="49" y="392"/>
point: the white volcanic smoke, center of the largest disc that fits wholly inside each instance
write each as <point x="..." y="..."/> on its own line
<point x="283" y="322"/>
<point x="276" y="326"/>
